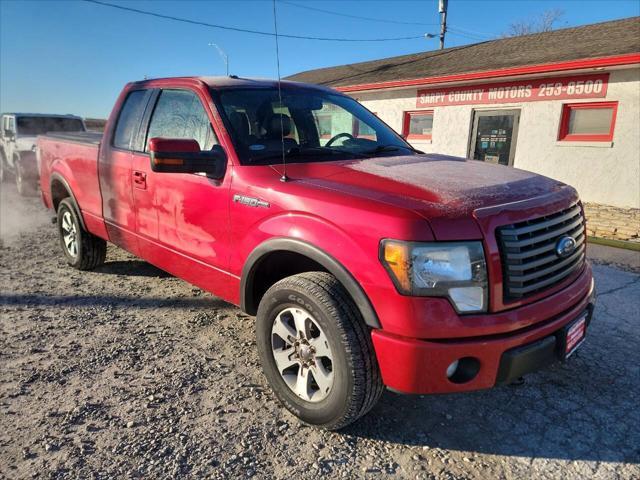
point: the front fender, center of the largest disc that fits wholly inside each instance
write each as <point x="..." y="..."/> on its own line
<point x="348" y="248"/>
<point x="316" y="254"/>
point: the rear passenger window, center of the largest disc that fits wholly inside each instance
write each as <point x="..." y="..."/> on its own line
<point x="129" y="120"/>
<point x="180" y="114"/>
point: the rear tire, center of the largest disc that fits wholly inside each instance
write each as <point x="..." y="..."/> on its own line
<point x="82" y="249"/>
<point x="341" y="379"/>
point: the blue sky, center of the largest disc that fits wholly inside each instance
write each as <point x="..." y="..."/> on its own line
<point x="74" y="57"/>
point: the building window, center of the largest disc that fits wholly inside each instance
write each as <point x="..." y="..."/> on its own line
<point x="418" y="125"/>
<point x="359" y="129"/>
<point x="325" y="125"/>
<point x="588" y="122"/>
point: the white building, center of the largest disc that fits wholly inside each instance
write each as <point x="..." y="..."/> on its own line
<point x="565" y="104"/>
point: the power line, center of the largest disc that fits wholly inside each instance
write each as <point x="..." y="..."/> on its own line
<point x="245" y="30"/>
<point x="464" y="31"/>
<point x="458" y="31"/>
<point x="466" y="35"/>
<point x="370" y="19"/>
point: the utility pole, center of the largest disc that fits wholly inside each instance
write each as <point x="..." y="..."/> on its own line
<point x="442" y="8"/>
<point x="224" y="56"/>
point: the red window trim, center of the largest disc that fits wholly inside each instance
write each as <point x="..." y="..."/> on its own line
<point x="564" y="136"/>
<point x="407" y="119"/>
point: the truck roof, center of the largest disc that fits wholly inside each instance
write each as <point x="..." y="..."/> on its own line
<point x="234" y="81"/>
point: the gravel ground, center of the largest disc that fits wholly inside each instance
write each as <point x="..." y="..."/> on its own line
<point x="127" y="372"/>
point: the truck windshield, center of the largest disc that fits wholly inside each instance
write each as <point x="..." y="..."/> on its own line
<point x="311" y="125"/>
<point x="37" y="125"/>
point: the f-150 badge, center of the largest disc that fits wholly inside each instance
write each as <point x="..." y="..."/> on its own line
<point x="250" y="201"/>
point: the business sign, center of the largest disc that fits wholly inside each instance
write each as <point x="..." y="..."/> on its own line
<point x="551" y="88"/>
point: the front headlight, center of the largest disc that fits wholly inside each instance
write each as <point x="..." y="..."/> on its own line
<point x="456" y="270"/>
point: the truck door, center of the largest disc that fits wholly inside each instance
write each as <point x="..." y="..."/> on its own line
<point x="114" y="166"/>
<point x="182" y="219"/>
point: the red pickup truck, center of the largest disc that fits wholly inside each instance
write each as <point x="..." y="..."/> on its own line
<point x="366" y="262"/>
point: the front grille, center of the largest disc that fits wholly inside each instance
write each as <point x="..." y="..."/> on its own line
<point x="530" y="263"/>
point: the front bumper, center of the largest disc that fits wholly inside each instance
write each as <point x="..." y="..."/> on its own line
<point x="412" y="365"/>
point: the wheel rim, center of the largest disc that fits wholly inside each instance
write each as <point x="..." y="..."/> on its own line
<point x="302" y="354"/>
<point x="69" y="234"/>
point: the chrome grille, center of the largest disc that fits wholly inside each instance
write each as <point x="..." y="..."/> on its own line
<point x="530" y="263"/>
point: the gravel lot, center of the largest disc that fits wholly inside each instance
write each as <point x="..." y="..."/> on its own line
<point x="129" y="372"/>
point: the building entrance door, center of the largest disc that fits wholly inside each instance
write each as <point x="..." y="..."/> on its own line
<point x="493" y="136"/>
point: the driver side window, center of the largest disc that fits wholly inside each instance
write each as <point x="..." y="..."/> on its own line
<point x="180" y="114"/>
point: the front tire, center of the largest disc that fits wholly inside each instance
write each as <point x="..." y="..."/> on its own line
<point x="325" y="371"/>
<point x="82" y="249"/>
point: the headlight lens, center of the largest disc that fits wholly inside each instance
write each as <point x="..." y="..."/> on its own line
<point x="456" y="270"/>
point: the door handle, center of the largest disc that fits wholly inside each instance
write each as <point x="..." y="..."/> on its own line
<point x="140" y="179"/>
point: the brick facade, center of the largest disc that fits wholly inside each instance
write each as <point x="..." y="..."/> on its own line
<point x="615" y="223"/>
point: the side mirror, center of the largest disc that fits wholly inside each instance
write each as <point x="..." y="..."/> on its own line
<point x="176" y="155"/>
<point x="8" y="133"/>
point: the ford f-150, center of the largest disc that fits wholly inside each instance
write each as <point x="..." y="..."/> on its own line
<point x="367" y="263"/>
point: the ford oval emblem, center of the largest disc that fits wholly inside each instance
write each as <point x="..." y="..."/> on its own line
<point x="565" y="246"/>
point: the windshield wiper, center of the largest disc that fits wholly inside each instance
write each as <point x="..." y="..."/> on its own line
<point x="308" y="152"/>
<point x="322" y="151"/>
<point x="391" y="148"/>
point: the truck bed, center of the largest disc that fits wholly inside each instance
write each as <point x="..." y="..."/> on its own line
<point x="73" y="156"/>
<point x="90" y="138"/>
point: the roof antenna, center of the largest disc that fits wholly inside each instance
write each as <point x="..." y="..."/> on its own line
<point x="284" y="177"/>
<point x="222" y="54"/>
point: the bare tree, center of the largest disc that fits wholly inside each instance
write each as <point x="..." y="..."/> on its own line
<point x="543" y="23"/>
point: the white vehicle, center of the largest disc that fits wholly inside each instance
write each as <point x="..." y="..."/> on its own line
<point x="18" y="143"/>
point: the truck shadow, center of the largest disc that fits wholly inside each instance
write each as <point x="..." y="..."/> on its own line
<point x="34" y="300"/>
<point x="583" y="410"/>
<point x="132" y="268"/>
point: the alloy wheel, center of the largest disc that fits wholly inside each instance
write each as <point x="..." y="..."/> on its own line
<point x="302" y="354"/>
<point x="69" y="234"/>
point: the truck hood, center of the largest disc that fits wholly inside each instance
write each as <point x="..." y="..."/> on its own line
<point x="434" y="186"/>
